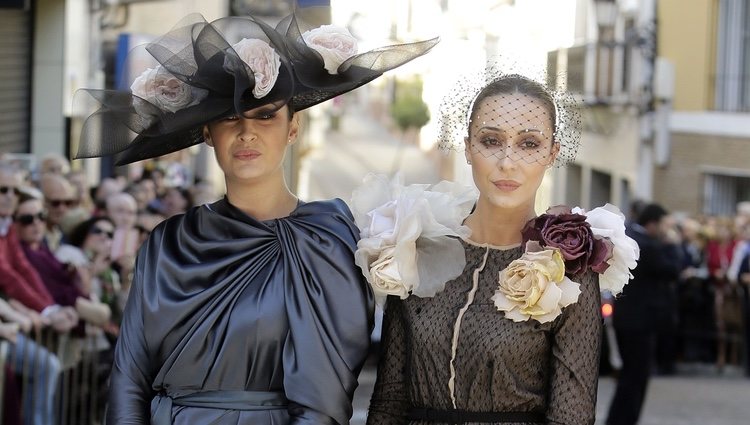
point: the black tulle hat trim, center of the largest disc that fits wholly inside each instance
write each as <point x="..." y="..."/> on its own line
<point x="200" y="55"/>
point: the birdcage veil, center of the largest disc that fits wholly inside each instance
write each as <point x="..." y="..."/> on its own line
<point x="550" y="113"/>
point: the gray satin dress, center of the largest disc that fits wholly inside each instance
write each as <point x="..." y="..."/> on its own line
<point x="222" y="303"/>
<point x="546" y="369"/>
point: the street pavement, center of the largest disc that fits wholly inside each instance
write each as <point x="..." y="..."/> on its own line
<point x="685" y="399"/>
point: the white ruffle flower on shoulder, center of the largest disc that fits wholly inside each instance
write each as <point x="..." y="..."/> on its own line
<point x="402" y="226"/>
<point x="609" y="222"/>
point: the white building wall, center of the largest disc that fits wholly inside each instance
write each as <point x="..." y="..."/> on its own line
<point x="47" y="122"/>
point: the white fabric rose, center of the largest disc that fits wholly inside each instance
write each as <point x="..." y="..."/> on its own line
<point x="609" y="222"/>
<point x="386" y="279"/>
<point x="535" y="286"/>
<point x="165" y="91"/>
<point x="262" y="60"/>
<point x="414" y="225"/>
<point x="334" y="43"/>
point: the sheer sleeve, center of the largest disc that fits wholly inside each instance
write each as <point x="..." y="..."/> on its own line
<point x="131" y="378"/>
<point x="389" y="399"/>
<point x="330" y="311"/>
<point x="575" y="358"/>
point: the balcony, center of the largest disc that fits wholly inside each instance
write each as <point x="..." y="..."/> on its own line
<point x="601" y="74"/>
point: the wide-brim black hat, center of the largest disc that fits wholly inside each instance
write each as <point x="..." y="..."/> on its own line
<point x="205" y="72"/>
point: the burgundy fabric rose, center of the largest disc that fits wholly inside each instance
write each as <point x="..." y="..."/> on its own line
<point x="572" y="235"/>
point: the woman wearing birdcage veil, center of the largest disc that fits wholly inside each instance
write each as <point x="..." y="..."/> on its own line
<point x="491" y="311"/>
<point x="249" y="309"/>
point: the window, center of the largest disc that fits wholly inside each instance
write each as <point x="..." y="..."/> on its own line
<point x="733" y="57"/>
<point x="601" y="188"/>
<point x="573" y="183"/>
<point x="721" y="193"/>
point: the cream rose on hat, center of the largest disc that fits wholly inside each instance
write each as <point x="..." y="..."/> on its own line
<point x="262" y="60"/>
<point x="165" y="91"/>
<point x="334" y="43"/>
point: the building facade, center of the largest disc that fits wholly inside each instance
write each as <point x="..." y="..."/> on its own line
<point x="708" y="167"/>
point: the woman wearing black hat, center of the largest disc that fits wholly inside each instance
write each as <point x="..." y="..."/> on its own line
<point x="249" y="309"/>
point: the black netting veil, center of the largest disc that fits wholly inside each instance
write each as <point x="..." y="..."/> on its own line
<point x="504" y="113"/>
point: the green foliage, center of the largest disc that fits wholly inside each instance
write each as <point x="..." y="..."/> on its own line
<point x="408" y="110"/>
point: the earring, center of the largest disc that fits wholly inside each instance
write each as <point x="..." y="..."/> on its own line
<point x="468" y="161"/>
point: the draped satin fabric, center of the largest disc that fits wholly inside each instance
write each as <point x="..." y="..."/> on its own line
<point x="223" y="302"/>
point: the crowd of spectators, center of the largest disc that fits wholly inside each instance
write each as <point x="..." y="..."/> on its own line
<point x="705" y="317"/>
<point x="67" y="254"/>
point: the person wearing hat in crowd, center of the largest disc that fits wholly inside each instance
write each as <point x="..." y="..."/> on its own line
<point x="249" y="309"/>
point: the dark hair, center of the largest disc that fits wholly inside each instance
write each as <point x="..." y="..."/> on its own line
<point x="512" y="84"/>
<point x="79" y="233"/>
<point x="651" y="213"/>
<point x="186" y="194"/>
<point x="26" y="197"/>
<point x="636" y="206"/>
<point x="290" y="110"/>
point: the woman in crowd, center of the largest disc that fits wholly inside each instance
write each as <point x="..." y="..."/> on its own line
<point x="249" y="309"/>
<point x="62" y="280"/>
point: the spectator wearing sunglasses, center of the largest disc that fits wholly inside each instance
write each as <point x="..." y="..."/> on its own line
<point x="89" y="250"/>
<point x="62" y="280"/>
<point x="19" y="282"/>
<point x="59" y="199"/>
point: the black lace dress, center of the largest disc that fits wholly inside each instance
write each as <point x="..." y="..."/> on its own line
<point x="499" y="365"/>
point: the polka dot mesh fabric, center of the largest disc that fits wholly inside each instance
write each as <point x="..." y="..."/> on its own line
<point x="501" y="365"/>
<point x="473" y="116"/>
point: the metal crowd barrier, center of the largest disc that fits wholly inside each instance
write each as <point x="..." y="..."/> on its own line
<point x="81" y="377"/>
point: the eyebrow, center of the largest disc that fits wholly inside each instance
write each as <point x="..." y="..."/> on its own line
<point x="500" y="130"/>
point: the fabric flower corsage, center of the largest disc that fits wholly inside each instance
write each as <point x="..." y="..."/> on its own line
<point x="608" y="222"/>
<point x="535" y="285"/>
<point x="560" y="246"/>
<point x="401" y="227"/>
<point x="334" y="44"/>
<point x="262" y="60"/>
<point x="165" y="91"/>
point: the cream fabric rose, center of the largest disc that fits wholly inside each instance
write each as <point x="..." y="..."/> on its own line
<point x="386" y="279"/>
<point x="609" y="222"/>
<point x="165" y="91"/>
<point x="535" y="286"/>
<point x="334" y="43"/>
<point x="262" y="60"/>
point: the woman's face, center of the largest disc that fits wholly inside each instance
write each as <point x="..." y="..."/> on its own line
<point x="510" y="147"/>
<point x="30" y="221"/>
<point x="252" y="149"/>
<point x="99" y="239"/>
<point x="174" y="202"/>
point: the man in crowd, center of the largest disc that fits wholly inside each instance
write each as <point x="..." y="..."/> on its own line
<point x="636" y="317"/>
<point x="59" y="199"/>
